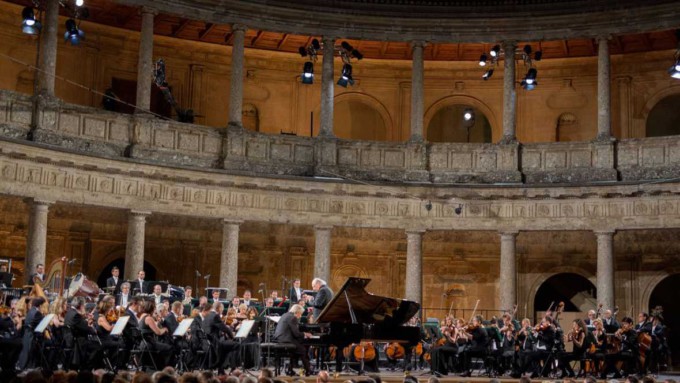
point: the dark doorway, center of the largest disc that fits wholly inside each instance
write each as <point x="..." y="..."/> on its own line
<point x="664" y="119"/>
<point x="665" y="294"/>
<point x="126" y="91"/>
<point x="149" y="269"/>
<point x="576" y="291"/>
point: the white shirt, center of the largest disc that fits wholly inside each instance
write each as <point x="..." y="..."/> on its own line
<point x="123" y="300"/>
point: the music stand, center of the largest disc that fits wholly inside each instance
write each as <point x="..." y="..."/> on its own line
<point x="120" y="326"/>
<point x="241" y="335"/>
<point x="180" y="332"/>
<point x="183" y="327"/>
<point x="39" y="330"/>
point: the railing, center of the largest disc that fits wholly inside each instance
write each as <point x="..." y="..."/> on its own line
<point x="94" y="131"/>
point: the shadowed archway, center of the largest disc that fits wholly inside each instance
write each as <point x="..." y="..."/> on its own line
<point x="665" y="294"/>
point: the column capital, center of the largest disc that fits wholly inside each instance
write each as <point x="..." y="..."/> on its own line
<point x="239" y="27"/>
<point x="509" y="45"/>
<point x="415" y="231"/>
<point x="508" y="233"/>
<point x="228" y="221"/>
<point x="140" y="213"/>
<point x="604" y="38"/>
<point x="143" y="10"/>
<point x="323" y="227"/>
<point x="604" y="232"/>
<point x="418" y="43"/>
<point x="39" y="202"/>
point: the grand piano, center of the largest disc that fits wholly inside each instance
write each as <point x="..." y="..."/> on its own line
<point x="355" y="315"/>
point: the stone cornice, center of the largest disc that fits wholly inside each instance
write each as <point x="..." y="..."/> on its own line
<point x="39" y="173"/>
<point x="455" y="22"/>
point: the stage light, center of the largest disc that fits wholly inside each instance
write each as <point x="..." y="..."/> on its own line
<point x="538" y="55"/>
<point x="495" y="51"/>
<point x="346" y="76"/>
<point x="303" y="51"/>
<point x="346" y="46"/>
<point x="527" y="49"/>
<point x="73" y="34"/>
<point x="482" y="59"/>
<point x="531" y="76"/>
<point x="674" y="70"/>
<point x="79" y="3"/>
<point x="308" y="73"/>
<point x="30" y="25"/>
<point x="356" y="54"/>
<point x="487" y="75"/>
<point x="468" y="114"/>
<point x="316" y="45"/>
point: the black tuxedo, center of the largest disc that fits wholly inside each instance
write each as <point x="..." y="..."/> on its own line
<point x="119" y="300"/>
<point x="214" y="328"/>
<point x="112" y="283"/>
<point x="611" y="325"/>
<point x="323" y="296"/>
<point x="76" y="334"/>
<point x="32" y="320"/>
<point x="78" y="324"/>
<point x="34" y="276"/>
<point x="140" y="288"/>
<point x="170" y="322"/>
<point x="294" y="297"/>
<point x="288" y="331"/>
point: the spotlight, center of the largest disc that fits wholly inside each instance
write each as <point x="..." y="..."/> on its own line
<point x="356" y="54"/>
<point x="79" y="3"/>
<point x="30" y="25"/>
<point x="316" y="45"/>
<point x="346" y="46"/>
<point x="527" y="49"/>
<point x="346" y="76"/>
<point x="308" y="73"/>
<point x="495" y="51"/>
<point x="482" y="59"/>
<point x="487" y="75"/>
<point x="73" y="34"/>
<point x="674" y="70"/>
<point x="538" y="55"/>
<point x="530" y="77"/>
<point x="468" y="114"/>
<point x="303" y="51"/>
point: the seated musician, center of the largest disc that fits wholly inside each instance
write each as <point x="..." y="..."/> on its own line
<point x="219" y="334"/>
<point x="627" y="352"/>
<point x="288" y="331"/>
<point x="479" y="342"/>
<point x="10" y="339"/>
<point x="609" y="322"/>
<point x="151" y="332"/>
<point x="235" y="302"/>
<point x="526" y="338"/>
<point x="77" y="333"/>
<point x="445" y="348"/>
<point x="131" y="330"/>
<point x="507" y="344"/>
<point x="578" y="337"/>
<point x="247" y="299"/>
<point x="108" y="315"/>
<point x="171" y="321"/>
<point x="598" y="343"/>
<point x="269" y="302"/>
<point x="123" y="298"/>
<point x="157" y="295"/>
<point x="188" y="300"/>
<point x="659" y="349"/>
<point x="33" y="318"/>
<point x="545" y="341"/>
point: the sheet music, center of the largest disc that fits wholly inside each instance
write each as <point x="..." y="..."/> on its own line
<point x="120" y="325"/>
<point x="274" y="318"/>
<point x="245" y="328"/>
<point x="44" y="323"/>
<point x="183" y="327"/>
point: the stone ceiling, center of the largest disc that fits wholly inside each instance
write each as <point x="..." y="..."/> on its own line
<point x="193" y="28"/>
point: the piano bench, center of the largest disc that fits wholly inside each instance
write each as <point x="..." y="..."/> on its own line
<point x="276" y="351"/>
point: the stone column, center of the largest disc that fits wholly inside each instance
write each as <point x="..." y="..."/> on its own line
<point x="145" y="63"/>
<point x="327" y="88"/>
<point x="603" y="90"/>
<point x="509" y="93"/>
<point x="237" y="63"/>
<point x="414" y="265"/>
<point x="508" y="270"/>
<point x="605" y="268"/>
<point x="134" y="247"/>
<point x="36" y="241"/>
<point x="417" y="91"/>
<point x="322" y="252"/>
<point x="229" y="256"/>
<point x="48" y="49"/>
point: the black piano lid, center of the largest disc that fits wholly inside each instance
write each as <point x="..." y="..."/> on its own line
<point x="368" y="308"/>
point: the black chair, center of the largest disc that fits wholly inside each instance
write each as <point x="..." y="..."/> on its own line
<point x="276" y="351"/>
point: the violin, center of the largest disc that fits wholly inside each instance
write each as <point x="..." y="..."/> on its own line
<point x="112" y="315"/>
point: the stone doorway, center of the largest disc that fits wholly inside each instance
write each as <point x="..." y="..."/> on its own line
<point x="576" y="291"/>
<point x="664" y="119"/>
<point x="665" y="294"/>
<point x="149" y="270"/>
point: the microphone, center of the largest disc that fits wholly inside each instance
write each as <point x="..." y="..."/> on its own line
<point x="198" y="274"/>
<point x="206" y="276"/>
<point x="74" y="260"/>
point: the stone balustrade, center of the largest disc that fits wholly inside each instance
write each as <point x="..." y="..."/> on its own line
<point x="151" y="140"/>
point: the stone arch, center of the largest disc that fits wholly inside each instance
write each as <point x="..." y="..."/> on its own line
<point x="653" y="283"/>
<point x="543" y="277"/>
<point x="663" y="119"/>
<point x="641" y="114"/>
<point x="462" y="100"/>
<point x="567" y="128"/>
<point x="367" y="100"/>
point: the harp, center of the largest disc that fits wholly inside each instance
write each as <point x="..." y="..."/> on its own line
<point x="55" y="274"/>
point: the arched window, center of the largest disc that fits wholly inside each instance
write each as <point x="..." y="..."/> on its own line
<point x="664" y="118"/>
<point x="567" y="128"/>
<point x="357" y="120"/>
<point x="449" y="124"/>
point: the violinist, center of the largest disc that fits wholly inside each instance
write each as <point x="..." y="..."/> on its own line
<point x="577" y="336"/>
<point x="10" y="339"/>
<point x="444" y="348"/>
<point x="598" y="342"/>
<point x="507" y="344"/>
<point x="627" y="353"/>
<point x="526" y="340"/>
<point x="33" y="318"/>
<point x="171" y="322"/>
<point x="106" y="318"/>
<point x="150" y="331"/>
<point x="479" y="341"/>
<point x="221" y="336"/>
<point x="77" y="330"/>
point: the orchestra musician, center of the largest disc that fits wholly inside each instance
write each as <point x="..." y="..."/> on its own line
<point x="220" y="335"/>
<point x="139" y="285"/>
<point x="39" y="274"/>
<point x="215" y="296"/>
<point x="157" y="295"/>
<point x="33" y="318"/>
<point x="77" y="331"/>
<point x="247" y="295"/>
<point x="609" y="322"/>
<point x="446" y="347"/>
<point x="628" y="350"/>
<point x="295" y="293"/>
<point x="108" y="315"/>
<point x="578" y="337"/>
<point x="288" y="331"/>
<point x="123" y="297"/>
<point x="10" y="338"/>
<point x="479" y="340"/>
<point x="659" y="347"/>
<point x="526" y="339"/>
<point x="114" y="281"/>
<point x="589" y="321"/>
<point x="323" y="296"/>
<point x="150" y="331"/>
<point x="188" y="299"/>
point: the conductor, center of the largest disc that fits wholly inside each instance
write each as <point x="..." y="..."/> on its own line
<point x="288" y="331"/>
<point x="323" y="296"/>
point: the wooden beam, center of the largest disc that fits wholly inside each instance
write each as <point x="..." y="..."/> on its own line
<point x="228" y="38"/>
<point x="283" y="41"/>
<point x="177" y="30"/>
<point x="124" y="18"/>
<point x="593" y="49"/>
<point x="435" y="51"/>
<point x="208" y="28"/>
<point x="565" y="47"/>
<point x="459" y="52"/>
<point x="256" y="38"/>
